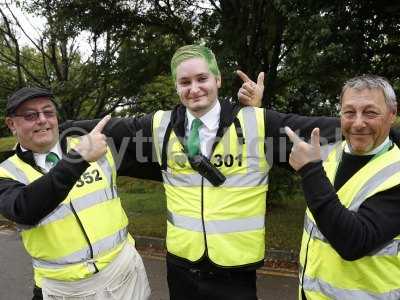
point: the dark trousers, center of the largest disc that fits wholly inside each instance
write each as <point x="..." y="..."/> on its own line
<point x="37" y="293"/>
<point x="221" y="284"/>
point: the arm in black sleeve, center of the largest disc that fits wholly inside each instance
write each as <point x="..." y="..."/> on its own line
<point x="130" y="140"/>
<point x="278" y="144"/>
<point x="28" y="204"/>
<point x="352" y="234"/>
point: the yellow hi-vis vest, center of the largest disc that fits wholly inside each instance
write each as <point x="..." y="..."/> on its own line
<point x="92" y="210"/>
<point x="323" y="273"/>
<point x="226" y="222"/>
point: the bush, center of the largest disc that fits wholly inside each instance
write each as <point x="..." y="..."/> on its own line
<point x="284" y="184"/>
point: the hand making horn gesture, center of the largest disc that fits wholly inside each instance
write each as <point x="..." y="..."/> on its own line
<point x="93" y="145"/>
<point x="251" y="93"/>
<point x="302" y="152"/>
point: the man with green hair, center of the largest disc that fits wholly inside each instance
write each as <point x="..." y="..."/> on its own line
<point x="214" y="157"/>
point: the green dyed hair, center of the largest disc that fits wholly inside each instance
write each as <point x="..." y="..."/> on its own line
<point x="194" y="51"/>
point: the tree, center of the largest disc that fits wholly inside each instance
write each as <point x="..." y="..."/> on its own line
<point x="307" y="49"/>
<point x="159" y="94"/>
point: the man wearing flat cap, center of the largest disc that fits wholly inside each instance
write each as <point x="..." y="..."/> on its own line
<point x="66" y="206"/>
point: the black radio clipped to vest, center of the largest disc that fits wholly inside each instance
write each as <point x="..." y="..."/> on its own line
<point x="202" y="164"/>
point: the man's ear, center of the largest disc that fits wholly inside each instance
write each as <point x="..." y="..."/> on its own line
<point x="10" y="125"/>
<point x="219" y="81"/>
<point x="393" y="117"/>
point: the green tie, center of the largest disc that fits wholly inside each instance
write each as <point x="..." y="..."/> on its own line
<point x="193" y="140"/>
<point x="52" y="159"/>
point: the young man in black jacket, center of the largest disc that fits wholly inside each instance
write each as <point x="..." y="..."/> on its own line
<point x="215" y="175"/>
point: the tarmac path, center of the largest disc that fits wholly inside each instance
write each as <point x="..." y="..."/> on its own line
<point x="16" y="275"/>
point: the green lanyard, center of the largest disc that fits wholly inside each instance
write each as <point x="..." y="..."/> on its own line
<point x="383" y="150"/>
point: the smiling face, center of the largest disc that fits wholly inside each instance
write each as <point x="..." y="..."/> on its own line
<point x="365" y="119"/>
<point x="39" y="135"/>
<point x="197" y="87"/>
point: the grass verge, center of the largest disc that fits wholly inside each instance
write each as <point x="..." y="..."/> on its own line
<point x="144" y="203"/>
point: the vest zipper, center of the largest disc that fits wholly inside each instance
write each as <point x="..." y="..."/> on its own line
<point x="202" y="217"/>
<point x="85" y="235"/>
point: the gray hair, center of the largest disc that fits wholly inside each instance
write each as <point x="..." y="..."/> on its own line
<point x="372" y="82"/>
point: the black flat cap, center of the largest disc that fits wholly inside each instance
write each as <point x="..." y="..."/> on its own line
<point x="24" y="94"/>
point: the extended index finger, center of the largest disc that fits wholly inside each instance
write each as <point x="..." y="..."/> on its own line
<point x="243" y="76"/>
<point x="100" y="126"/>
<point x="292" y="135"/>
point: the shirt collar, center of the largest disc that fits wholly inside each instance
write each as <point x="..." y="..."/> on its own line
<point x="40" y="158"/>
<point x="347" y="147"/>
<point x="209" y="119"/>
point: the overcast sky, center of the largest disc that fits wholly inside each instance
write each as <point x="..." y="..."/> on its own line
<point x="33" y="25"/>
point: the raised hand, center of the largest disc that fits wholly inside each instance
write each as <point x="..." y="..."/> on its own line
<point x="251" y="93"/>
<point x="93" y="145"/>
<point x="303" y="153"/>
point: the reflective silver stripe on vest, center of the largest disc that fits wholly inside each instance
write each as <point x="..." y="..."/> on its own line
<point x="81" y="203"/>
<point x="216" y="226"/>
<point x="390" y="249"/>
<point x="160" y="131"/>
<point x="10" y="167"/>
<point x="325" y="288"/>
<point x="193" y="180"/>
<point x="251" y="138"/>
<point x="373" y="183"/>
<point x="311" y="228"/>
<point x="83" y="255"/>
<point x="107" y="170"/>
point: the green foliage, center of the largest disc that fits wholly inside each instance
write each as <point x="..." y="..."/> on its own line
<point x="332" y="42"/>
<point x="307" y="50"/>
<point x="143" y="57"/>
<point x="6" y="147"/>
<point x="284" y="184"/>
<point x="160" y="94"/>
<point x="7" y="143"/>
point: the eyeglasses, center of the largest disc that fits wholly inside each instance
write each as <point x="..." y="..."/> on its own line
<point x="34" y="115"/>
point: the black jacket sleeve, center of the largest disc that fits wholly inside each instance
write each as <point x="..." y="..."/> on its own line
<point x="130" y="140"/>
<point x="278" y="144"/>
<point x="28" y="204"/>
<point x="352" y="234"/>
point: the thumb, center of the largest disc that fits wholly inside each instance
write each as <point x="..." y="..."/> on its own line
<point x="260" y="79"/>
<point x="243" y="76"/>
<point x="315" y="137"/>
<point x="100" y="126"/>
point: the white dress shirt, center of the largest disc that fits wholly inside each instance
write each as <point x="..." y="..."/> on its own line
<point x="208" y="130"/>
<point x="40" y="158"/>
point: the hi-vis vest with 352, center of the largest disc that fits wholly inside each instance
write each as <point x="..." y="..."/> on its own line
<point x="323" y="273"/>
<point x="226" y="222"/>
<point x="86" y="231"/>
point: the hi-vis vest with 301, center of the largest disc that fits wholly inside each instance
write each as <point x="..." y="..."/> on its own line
<point x="86" y="231"/>
<point x="323" y="273"/>
<point x="226" y="222"/>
